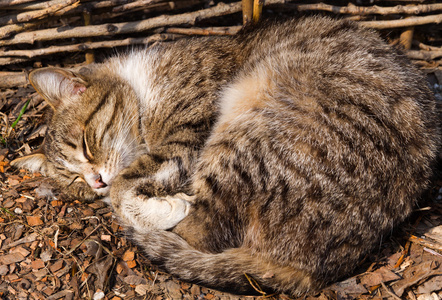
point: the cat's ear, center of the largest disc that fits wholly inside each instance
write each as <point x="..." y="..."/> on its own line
<point x="57" y="85"/>
<point x="35" y="162"/>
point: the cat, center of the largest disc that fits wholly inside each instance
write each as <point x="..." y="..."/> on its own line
<point x="281" y="155"/>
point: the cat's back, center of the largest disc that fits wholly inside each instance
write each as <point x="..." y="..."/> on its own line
<point x="343" y="133"/>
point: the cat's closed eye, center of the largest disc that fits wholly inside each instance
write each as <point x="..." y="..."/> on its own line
<point x="86" y="151"/>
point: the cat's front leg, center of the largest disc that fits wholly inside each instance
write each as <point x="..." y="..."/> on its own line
<point x="145" y="203"/>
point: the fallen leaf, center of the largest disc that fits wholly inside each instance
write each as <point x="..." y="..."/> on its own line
<point x="134" y="280"/>
<point x="46" y="255"/>
<point x="143" y="289"/>
<point x="101" y="268"/>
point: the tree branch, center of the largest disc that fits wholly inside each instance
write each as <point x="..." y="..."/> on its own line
<point x="408" y="22"/>
<point x="122" y="28"/>
<point x="371" y="10"/>
<point x="87" y="46"/>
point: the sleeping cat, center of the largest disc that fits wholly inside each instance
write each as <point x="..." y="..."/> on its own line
<point x="285" y="153"/>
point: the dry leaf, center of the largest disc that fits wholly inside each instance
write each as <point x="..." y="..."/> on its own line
<point x="46" y="255"/>
<point x="134" y="280"/>
<point x="143" y="289"/>
<point x="101" y="268"/>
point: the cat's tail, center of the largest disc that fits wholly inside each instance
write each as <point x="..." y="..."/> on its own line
<point x="234" y="270"/>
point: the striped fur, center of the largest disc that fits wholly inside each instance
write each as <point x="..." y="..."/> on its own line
<point x="286" y="153"/>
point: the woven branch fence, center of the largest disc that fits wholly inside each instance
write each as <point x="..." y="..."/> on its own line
<point x="35" y="32"/>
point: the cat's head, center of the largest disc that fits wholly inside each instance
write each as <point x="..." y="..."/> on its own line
<point x="93" y="133"/>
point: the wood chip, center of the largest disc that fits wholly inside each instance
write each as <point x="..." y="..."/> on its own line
<point x="106" y="237"/>
<point x="128" y="255"/>
<point x="131" y="264"/>
<point x="34" y="220"/>
<point x="11" y="258"/>
<point x="22" y="251"/>
<point x="56" y="266"/>
<point x="37" y="264"/>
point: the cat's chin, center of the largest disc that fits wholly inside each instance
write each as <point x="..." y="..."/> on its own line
<point x="106" y="200"/>
<point x="103" y="192"/>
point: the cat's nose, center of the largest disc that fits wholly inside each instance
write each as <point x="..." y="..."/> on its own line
<point x="99" y="183"/>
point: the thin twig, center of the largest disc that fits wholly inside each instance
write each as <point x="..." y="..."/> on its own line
<point x="412" y="21"/>
<point x="425" y="242"/>
<point x="232" y="30"/>
<point x="391" y="293"/>
<point x="135" y="5"/>
<point x="370" y="10"/>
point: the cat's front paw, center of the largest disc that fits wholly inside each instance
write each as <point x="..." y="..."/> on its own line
<point x="145" y="214"/>
<point x="80" y="190"/>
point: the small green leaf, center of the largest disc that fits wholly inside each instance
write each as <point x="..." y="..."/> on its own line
<point x="22" y="111"/>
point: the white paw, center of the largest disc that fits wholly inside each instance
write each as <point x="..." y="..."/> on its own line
<point x="146" y="214"/>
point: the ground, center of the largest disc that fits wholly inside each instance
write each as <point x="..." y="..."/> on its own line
<point x="53" y="247"/>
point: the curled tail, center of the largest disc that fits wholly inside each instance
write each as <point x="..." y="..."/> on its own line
<point x="225" y="270"/>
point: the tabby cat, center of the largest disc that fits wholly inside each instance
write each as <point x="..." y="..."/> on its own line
<point x="285" y="153"/>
